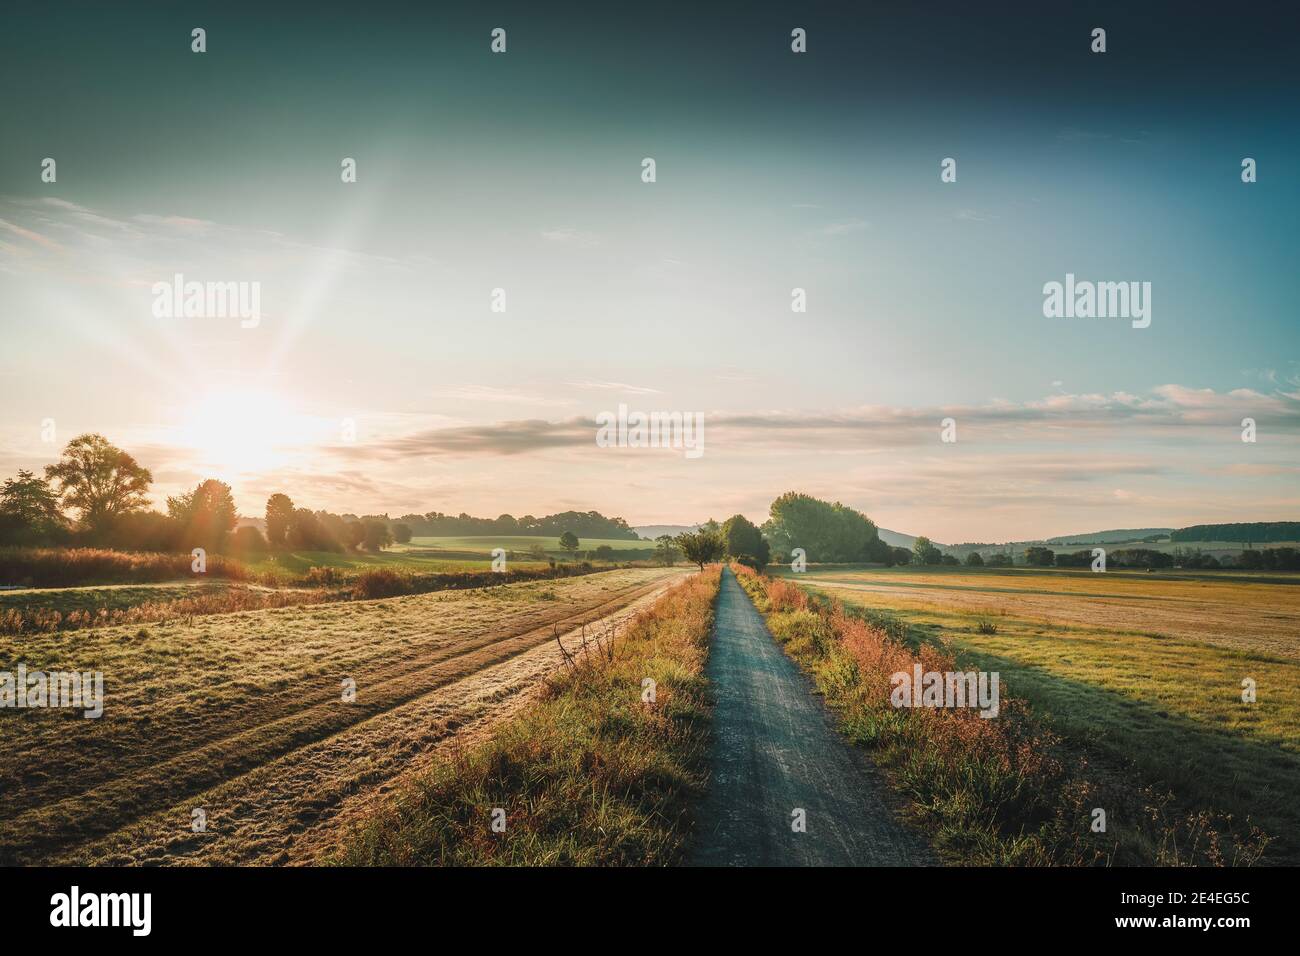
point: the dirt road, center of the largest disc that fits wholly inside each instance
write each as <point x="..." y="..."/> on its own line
<point x="776" y="752"/>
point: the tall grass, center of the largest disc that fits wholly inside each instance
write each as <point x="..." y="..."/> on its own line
<point x="994" y="791"/>
<point x="52" y="569"/>
<point x="587" y="775"/>
<point x="69" y="567"/>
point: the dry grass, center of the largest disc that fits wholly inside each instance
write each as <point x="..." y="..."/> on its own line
<point x="588" y="775"/>
<point x="1215" y="609"/>
<point x="191" y="707"/>
<point x="1141" y="703"/>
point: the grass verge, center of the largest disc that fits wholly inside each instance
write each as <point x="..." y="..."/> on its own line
<point x="587" y="775"/>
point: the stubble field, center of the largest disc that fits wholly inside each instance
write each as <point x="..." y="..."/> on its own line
<point x="242" y="716"/>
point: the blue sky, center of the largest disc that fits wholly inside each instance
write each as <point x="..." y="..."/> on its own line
<point x="521" y="171"/>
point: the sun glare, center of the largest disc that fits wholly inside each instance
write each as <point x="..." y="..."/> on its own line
<point x="240" y="431"/>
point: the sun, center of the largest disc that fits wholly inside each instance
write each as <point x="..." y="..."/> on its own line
<point x="235" y="431"/>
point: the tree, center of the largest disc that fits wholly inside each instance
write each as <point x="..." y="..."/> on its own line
<point x="1040" y="557"/>
<point x="973" y="560"/>
<point x="100" y="480"/>
<point x="307" y="533"/>
<point x="279" y="512"/>
<point x="702" y="547"/>
<point x="666" y="552"/>
<point x="354" y="533"/>
<point x="375" y="534"/>
<point x="402" y="533"/>
<point x="247" y="540"/>
<point x="827" y="531"/>
<point x="605" y="553"/>
<point x="29" y="511"/>
<point x="205" y="515"/>
<point x="924" y="552"/>
<point x="569" y="541"/>
<point x="743" y="537"/>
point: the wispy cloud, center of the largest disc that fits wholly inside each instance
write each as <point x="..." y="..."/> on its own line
<point x="614" y="387"/>
<point x="567" y="235"/>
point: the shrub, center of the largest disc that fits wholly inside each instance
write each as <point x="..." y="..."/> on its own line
<point x="323" y="577"/>
<point x="381" y="583"/>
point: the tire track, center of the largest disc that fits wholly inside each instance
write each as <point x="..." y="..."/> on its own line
<point x="191" y="766"/>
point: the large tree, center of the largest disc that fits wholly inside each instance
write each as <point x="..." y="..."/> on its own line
<point x="375" y="534"/>
<point x="569" y="541"/>
<point x="279" y="513"/>
<point x="205" y="515"/>
<point x="100" y="480"/>
<point x="29" y="511"/>
<point x="744" y="538"/>
<point x="827" y="531"/>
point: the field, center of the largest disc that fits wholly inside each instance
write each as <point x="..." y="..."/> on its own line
<point x="293" y="564"/>
<point x="1143" y="672"/>
<point x="242" y="716"/>
<point x="518" y="542"/>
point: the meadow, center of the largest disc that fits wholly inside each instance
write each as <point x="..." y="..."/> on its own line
<point x="1140" y="672"/>
<point x="246" y="716"/>
<point x="522" y="543"/>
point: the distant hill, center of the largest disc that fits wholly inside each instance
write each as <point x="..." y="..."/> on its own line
<point x="896" y="539"/>
<point x="1109" y="537"/>
<point x="1255" y="532"/>
<point x="653" y="531"/>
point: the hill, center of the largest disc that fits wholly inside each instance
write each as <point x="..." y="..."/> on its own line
<point x="653" y="531"/>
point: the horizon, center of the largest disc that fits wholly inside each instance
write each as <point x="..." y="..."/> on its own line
<point x="377" y="377"/>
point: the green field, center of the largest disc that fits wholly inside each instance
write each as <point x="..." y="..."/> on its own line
<point x="297" y="563"/>
<point x="1141" y="671"/>
<point x="521" y="542"/>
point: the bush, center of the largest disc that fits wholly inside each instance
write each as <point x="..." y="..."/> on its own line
<point x="247" y="540"/>
<point x="381" y="583"/>
<point x="323" y="577"/>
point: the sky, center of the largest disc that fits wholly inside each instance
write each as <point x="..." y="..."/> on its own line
<point x="379" y="379"/>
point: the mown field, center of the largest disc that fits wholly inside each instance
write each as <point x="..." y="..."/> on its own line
<point x="1143" y="672"/>
<point x="243" y="716"/>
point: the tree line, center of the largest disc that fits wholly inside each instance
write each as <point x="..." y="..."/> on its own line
<point x="97" y="495"/>
<point x="585" y="524"/>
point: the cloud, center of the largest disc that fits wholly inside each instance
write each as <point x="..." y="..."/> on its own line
<point x="844" y="227"/>
<point x="1169" y="411"/>
<point x="494" y="395"/>
<point x="567" y="235"/>
<point x="614" y="387"/>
